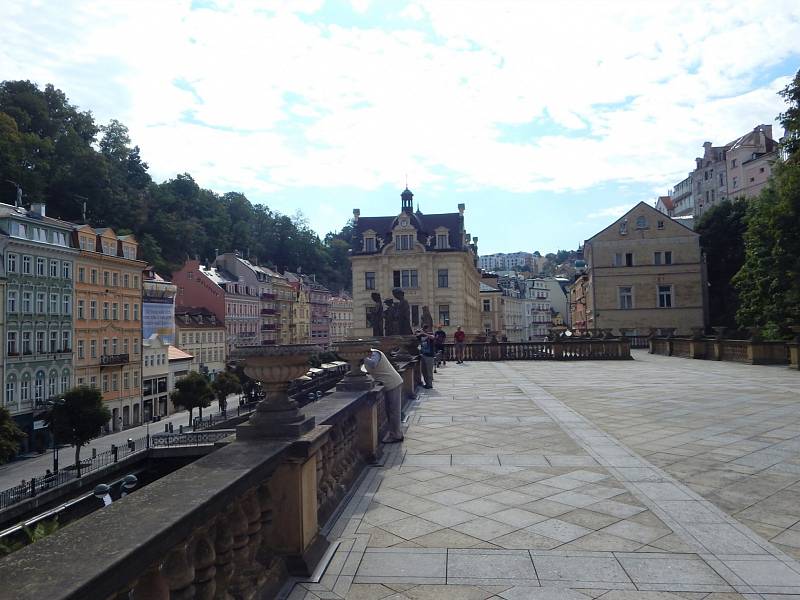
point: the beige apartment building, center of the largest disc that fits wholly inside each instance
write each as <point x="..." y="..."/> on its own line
<point x="341" y="317"/>
<point x="108" y="326"/>
<point x="643" y="271"/>
<point x="430" y="257"/>
<point x="284" y="301"/>
<point x="202" y="335"/>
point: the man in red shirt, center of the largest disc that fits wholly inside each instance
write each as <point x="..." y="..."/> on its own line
<point x="459" y="337"/>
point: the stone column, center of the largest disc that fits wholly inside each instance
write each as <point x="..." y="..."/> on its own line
<point x="368" y="442"/>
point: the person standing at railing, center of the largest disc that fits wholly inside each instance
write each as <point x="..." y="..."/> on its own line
<point x="382" y="370"/>
<point x="427" y="355"/>
<point x="439" y="339"/>
<point x="459" y="336"/>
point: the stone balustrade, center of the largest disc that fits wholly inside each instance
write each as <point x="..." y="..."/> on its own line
<point x="233" y="524"/>
<point x="753" y="351"/>
<point x="578" y="348"/>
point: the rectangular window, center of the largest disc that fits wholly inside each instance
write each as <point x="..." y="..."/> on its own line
<point x="66" y="270"/>
<point x="66" y="341"/>
<point x="115" y="311"/>
<point x="115" y="279"/>
<point x="125" y="346"/>
<point x="114" y="346"/>
<point x="27" y="347"/>
<point x="81" y="274"/>
<point x="93" y="381"/>
<point x="369" y="280"/>
<point x="93" y="348"/>
<point x="444" y="314"/>
<point x="126" y="311"/>
<point x="618" y="260"/>
<point x="657" y="258"/>
<point x="105" y="382"/>
<point x="105" y="311"/>
<point x="53" y="341"/>
<point x="115" y="382"/>
<point x="53" y="304"/>
<point x="487" y="305"/>
<point x="136" y="346"/>
<point x="81" y="308"/>
<point x="11" y="344"/>
<point x="135" y="312"/>
<point x="442" y="277"/>
<point x="628" y="259"/>
<point x="105" y="346"/>
<point x="126" y="381"/>
<point x="126" y="280"/>
<point x="661" y="224"/>
<point x="40" y="267"/>
<point x="11" y="263"/>
<point x="369" y="244"/>
<point x="53" y="268"/>
<point x="665" y="296"/>
<point x="404" y="242"/>
<point x="406" y="278"/>
<point x="625" y="297"/>
<point x="441" y="240"/>
<point x="26" y="265"/>
<point x="40" y="343"/>
<point x="67" y="304"/>
<point x="40" y="303"/>
<point x="81" y="345"/>
<point x="27" y="302"/>
<point x="93" y="309"/>
<point x="94" y="276"/>
<point x="136" y="281"/>
<point x="11" y="302"/>
<point x="106" y="279"/>
<point x="667" y="257"/>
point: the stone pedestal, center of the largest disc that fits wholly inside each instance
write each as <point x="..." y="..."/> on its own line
<point x="409" y="384"/>
<point x="368" y="431"/>
<point x="794" y="355"/>
<point x="293" y="487"/>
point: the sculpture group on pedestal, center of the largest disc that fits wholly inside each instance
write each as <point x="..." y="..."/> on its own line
<point x="395" y="319"/>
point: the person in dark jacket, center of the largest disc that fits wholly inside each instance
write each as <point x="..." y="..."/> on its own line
<point x="439" y="338"/>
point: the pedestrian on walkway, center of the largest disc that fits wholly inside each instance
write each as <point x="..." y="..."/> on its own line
<point x="427" y="355"/>
<point x="459" y="336"/>
<point x="439" y="339"/>
<point x="382" y="370"/>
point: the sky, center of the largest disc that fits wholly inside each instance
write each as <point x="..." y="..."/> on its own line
<point x="547" y="119"/>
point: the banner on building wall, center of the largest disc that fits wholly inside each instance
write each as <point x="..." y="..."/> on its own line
<point x="158" y="316"/>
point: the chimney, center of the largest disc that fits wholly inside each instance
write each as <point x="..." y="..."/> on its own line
<point x="39" y="208"/>
<point x="356" y="214"/>
<point x="461" y="208"/>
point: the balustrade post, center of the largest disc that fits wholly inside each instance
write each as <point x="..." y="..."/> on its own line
<point x="367" y="426"/>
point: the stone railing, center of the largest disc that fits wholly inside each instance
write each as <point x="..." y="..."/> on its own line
<point x="560" y="349"/>
<point x="232" y="524"/>
<point x="752" y="351"/>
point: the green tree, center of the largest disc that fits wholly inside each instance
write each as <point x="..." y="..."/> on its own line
<point x="10" y="436"/>
<point x="193" y="391"/>
<point x="722" y="231"/>
<point x="224" y="385"/>
<point x="78" y="419"/>
<point x="769" y="281"/>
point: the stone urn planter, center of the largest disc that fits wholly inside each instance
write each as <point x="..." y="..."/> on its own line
<point x="353" y="351"/>
<point x="277" y="416"/>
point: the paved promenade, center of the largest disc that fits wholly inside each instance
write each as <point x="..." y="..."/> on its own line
<point x="659" y="478"/>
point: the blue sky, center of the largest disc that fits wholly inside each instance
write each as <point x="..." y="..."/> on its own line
<point x="547" y="119"/>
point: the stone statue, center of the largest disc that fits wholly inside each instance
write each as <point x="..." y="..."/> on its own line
<point x="376" y="315"/>
<point x="390" y="317"/>
<point x="403" y="312"/>
<point x="426" y="320"/>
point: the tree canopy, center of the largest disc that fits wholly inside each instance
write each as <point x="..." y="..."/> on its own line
<point x="58" y="154"/>
<point x="769" y="280"/>
<point x="78" y="419"/>
<point x="10" y="436"/>
<point x="225" y="384"/>
<point x="192" y="391"/>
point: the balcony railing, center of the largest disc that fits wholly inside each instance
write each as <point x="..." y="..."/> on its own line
<point x="267" y="296"/>
<point x="268" y="311"/>
<point x="269" y="327"/>
<point x="114" y="359"/>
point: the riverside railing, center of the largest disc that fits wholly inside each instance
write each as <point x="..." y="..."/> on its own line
<point x="753" y="351"/>
<point x="562" y="349"/>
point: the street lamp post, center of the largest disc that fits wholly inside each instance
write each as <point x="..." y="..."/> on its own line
<point x="53" y="403"/>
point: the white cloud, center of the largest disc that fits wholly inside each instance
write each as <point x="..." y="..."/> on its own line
<point x="611" y="212"/>
<point x="283" y="101"/>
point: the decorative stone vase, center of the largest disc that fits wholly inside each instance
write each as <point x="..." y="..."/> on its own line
<point x="353" y="351"/>
<point x="277" y="416"/>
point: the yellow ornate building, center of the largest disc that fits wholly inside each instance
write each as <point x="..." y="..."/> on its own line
<point x="431" y="257"/>
<point x="108" y="326"/>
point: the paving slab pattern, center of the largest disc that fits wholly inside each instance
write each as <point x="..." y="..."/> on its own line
<point x="517" y="481"/>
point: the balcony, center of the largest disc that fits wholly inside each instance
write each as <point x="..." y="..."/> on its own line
<point x="268" y="311"/>
<point x="270" y="327"/>
<point x="114" y="359"/>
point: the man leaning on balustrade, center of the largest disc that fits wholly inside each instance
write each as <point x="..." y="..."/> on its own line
<point x="382" y="370"/>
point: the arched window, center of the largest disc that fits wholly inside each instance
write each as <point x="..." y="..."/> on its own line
<point x="25" y="388"/>
<point x="52" y="384"/>
<point x="64" y="381"/>
<point x="11" y="389"/>
<point x="38" y="387"/>
<point x="641" y="222"/>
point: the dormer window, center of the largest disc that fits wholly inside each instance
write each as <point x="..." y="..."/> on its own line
<point x="404" y="242"/>
<point x="442" y="238"/>
<point x="369" y="244"/>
